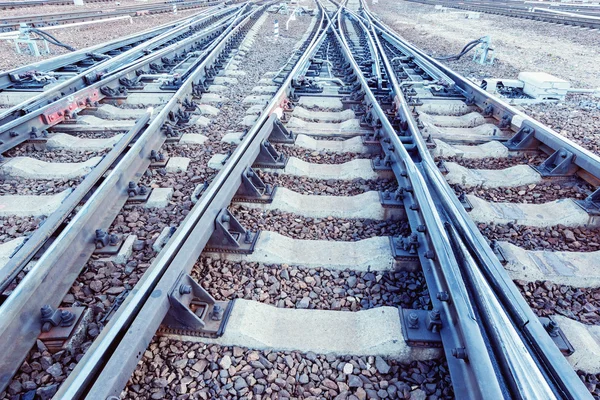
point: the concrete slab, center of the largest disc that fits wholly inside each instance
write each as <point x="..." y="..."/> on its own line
<point x="162" y="239"/>
<point x="349" y="128"/>
<point x="323" y="116"/>
<point x="89" y="123"/>
<point x="31" y="206"/>
<point x="231" y="73"/>
<point x="329" y="103"/>
<point x="360" y="168"/>
<point x="445" y="107"/>
<point x="518" y="175"/>
<point x="8" y="248"/>
<point x="217" y="161"/>
<point x="149" y="97"/>
<point x="232" y="137"/>
<point x="364" y="205"/>
<point x="32" y="168"/>
<point x="207" y="109"/>
<point x="249" y="120"/>
<point x="374" y="332"/>
<point x="579" y="269"/>
<point x="126" y="250"/>
<point x="480" y="134"/>
<point x="159" y="198"/>
<point x="177" y="164"/>
<point x="586" y="341"/>
<point x="564" y="212"/>
<point x="492" y="149"/>
<point x="63" y="141"/>
<point x="265" y="81"/>
<point x="192" y="138"/>
<point x="270" y="89"/>
<point x="108" y="111"/>
<point x="257" y="99"/>
<point x="352" y="145"/>
<point x="200" y="120"/>
<point x="469" y="120"/>
<point x="212" y="98"/>
<point x="255" y="109"/>
<point x="373" y="254"/>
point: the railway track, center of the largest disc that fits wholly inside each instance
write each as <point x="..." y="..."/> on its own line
<point x="319" y="252"/>
<point x="587" y="19"/>
<point x="10" y="24"/>
<point x="6" y="5"/>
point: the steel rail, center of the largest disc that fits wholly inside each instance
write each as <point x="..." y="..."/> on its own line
<point x="53" y="275"/>
<point x="475" y="377"/>
<point x="10" y="24"/>
<point x="123" y="341"/>
<point x="522" y="373"/>
<point x="29" y="249"/>
<point x="63" y="60"/>
<point x="30" y="3"/>
<point x="145" y="53"/>
<point x="510" y="12"/>
<point x="36" y="121"/>
<point x="522" y="317"/>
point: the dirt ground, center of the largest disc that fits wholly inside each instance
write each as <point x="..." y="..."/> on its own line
<point x="571" y="53"/>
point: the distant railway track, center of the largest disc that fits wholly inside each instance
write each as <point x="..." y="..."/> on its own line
<point x="588" y="21"/>
<point x="8" y="24"/>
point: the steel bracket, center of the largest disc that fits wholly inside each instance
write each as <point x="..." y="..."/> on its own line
<point x="279" y="133"/>
<point x="464" y="200"/>
<point x="230" y="236"/>
<point x="59" y="326"/>
<point x="379" y="164"/>
<point x="591" y="204"/>
<point x="268" y="157"/>
<point x="193" y="309"/>
<point x="405" y="249"/>
<point x="137" y="193"/>
<point x="392" y="199"/>
<point x="421" y="328"/>
<point x="524" y="139"/>
<point x="557" y="335"/>
<point x="560" y="163"/>
<point x="498" y="252"/>
<point x="107" y="244"/>
<point x="253" y="189"/>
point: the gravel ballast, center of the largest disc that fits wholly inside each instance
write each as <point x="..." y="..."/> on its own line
<point x="175" y="369"/>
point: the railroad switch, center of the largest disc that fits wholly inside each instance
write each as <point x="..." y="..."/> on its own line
<point x="194" y="311"/>
<point x="557" y="336"/>
<point x="421" y="328"/>
<point x="63" y="327"/>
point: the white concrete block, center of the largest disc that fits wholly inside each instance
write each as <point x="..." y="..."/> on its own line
<point x="126" y="250"/>
<point x="31" y="206"/>
<point x="373" y="254"/>
<point x="586" y="341"/>
<point x="193" y="139"/>
<point x="217" y="161"/>
<point x="218" y="89"/>
<point x="329" y="103"/>
<point x="564" y="212"/>
<point x="32" y="168"/>
<point x="62" y="141"/>
<point x="518" y="175"/>
<point x="374" y="332"/>
<point x="444" y="107"/>
<point x="479" y="134"/>
<point x="159" y="198"/>
<point x="469" y="120"/>
<point x="162" y="239"/>
<point x="223" y="80"/>
<point x="491" y="149"/>
<point x="207" y="109"/>
<point x="229" y="72"/>
<point x="352" y="145"/>
<point x="350" y="127"/>
<point x="87" y="123"/>
<point x="212" y="98"/>
<point x="579" y="269"/>
<point x="364" y="205"/>
<point x="249" y="120"/>
<point x="108" y="111"/>
<point x="232" y="137"/>
<point x="177" y="164"/>
<point x="255" y="109"/>
<point x="359" y="168"/>
<point x="271" y="89"/>
<point x="323" y="116"/>
<point x="200" y="120"/>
